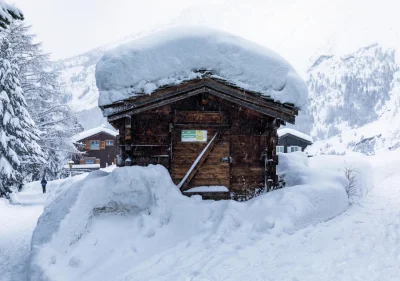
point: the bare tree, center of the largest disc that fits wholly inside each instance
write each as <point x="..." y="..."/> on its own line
<point x="351" y="174"/>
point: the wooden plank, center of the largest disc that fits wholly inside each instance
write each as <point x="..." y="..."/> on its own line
<point x="264" y="110"/>
<point x="249" y="96"/>
<point x="184" y="183"/>
<point x="201" y="117"/>
<point x="156" y="104"/>
<point x="160" y="94"/>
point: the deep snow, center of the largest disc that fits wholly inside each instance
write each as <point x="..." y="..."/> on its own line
<point x="359" y="244"/>
<point x="110" y="226"/>
<point x="178" y="54"/>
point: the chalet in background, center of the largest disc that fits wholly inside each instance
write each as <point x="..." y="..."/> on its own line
<point x="99" y="145"/>
<point x="291" y="140"/>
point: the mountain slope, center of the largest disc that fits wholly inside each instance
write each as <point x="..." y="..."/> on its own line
<point x="354" y="101"/>
<point x="350" y="91"/>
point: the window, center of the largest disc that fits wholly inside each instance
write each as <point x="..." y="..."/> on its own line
<point x="280" y="148"/>
<point x="89" y="161"/>
<point x="294" y="148"/>
<point x="109" y="142"/>
<point x="94" y="144"/>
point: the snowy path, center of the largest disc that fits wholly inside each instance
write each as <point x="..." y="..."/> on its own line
<point x="17" y="223"/>
<point x="361" y="244"/>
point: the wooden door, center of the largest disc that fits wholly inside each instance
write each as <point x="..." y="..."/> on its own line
<point x="214" y="169"/>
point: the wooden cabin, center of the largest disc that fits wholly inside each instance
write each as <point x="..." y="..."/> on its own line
<point x="99" y="145"/>
<point x="291" y="140"/>
<point x="216" y="139"/>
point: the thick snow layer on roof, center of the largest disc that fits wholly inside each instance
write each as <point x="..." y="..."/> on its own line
<point x="94" y="131"/>
<point x="285" y="131"/>
<point x="177" y="54"/>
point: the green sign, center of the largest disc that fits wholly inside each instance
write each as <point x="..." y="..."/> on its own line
<point x="194" y="136"/>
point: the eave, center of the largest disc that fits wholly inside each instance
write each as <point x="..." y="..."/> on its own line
<point x="216" y="87"/>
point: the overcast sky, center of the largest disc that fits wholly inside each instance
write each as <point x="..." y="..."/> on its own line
<point x="69" y="27"/>
<point x="299" y="30"/>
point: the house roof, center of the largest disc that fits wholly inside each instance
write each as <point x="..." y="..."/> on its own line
<point x="173" y="56"/>
<point x="288" y="131"/>
<point x="219" y="88"/>
<point x="94" y="131"/>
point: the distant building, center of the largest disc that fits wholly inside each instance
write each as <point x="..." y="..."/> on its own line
<point x="100" y="145"/>
<point x="291" y="140"/>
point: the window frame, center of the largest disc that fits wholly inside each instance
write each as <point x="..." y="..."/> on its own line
<point x="298" y="148"/>
<point x="95" y="148"/>
<point x="280" y="149"/>
<point x="112" y="142"/>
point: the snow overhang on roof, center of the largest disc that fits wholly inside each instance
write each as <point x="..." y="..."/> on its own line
<point x="181" y="54"/>
<point x="94" y="131"/>
<point x="287" y="131"/>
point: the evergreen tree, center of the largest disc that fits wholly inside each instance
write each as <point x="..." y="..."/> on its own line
<point x="46" y="101"/>
<point x="8" y="13"/>
<point x="19" y="151"/>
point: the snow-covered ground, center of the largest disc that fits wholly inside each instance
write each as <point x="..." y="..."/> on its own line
<point x="224" y="241"/>
<point x="16" y="226"/>
<point x="18" y="219"/>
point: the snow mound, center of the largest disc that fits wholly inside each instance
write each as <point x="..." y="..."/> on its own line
<point x="178" y="54"/>
<point x="133" y="223"/>
<point x="357" y="162"/>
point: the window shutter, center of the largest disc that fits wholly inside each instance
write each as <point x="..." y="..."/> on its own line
<point x="87" y="145"/>
<point x="82" y="161"/>
<point x="102" y="144"/>
<point x="97" y="161"/>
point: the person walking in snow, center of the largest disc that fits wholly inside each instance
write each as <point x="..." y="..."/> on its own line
<point x="43" y="182"/>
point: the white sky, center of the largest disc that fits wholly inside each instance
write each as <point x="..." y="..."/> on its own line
<point x="297" y="29"/>
<point x="69" y="27"/>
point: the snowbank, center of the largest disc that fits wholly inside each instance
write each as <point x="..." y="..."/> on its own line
<point x="357" y="162"/>
<point x="121" y="225"/>
<point x="176" y="55"/>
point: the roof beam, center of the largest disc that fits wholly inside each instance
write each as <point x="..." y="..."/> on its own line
<point x="263" y="110"/>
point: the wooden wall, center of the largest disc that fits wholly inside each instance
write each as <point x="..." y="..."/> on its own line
<point x="246" y="136"/>
<point x="290" y="140"/>
<point x="106" y="154"/>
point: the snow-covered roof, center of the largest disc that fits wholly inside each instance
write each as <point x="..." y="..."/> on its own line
<point x="178" y="54"/>
<point x="94" y="131"/>
<point x="286" y="131"/>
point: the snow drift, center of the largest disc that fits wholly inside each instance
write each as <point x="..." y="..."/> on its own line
<point x="178" y="54"/>
<point x="133" y="223"/>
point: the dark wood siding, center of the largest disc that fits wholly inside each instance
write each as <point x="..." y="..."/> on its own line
<point x="290" y="140"/>
<point x="245" y="136"/>
<point x="106" y="154"/>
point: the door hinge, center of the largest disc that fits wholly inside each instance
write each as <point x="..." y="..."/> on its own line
<point x="227" y="159"/>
